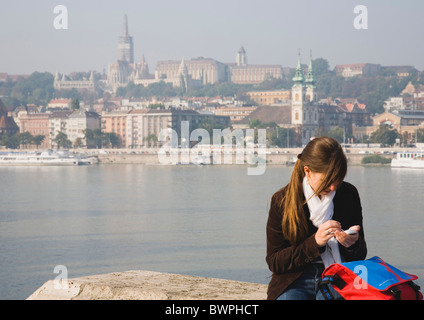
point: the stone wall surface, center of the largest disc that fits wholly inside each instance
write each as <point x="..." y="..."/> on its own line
<point x="149" y="285"/>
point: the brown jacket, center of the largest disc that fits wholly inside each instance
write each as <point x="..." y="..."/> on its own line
<point x="287" y="262"/>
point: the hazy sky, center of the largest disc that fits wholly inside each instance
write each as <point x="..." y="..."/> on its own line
<point x="271" y="31"/>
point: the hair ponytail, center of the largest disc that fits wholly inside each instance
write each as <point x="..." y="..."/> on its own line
<point x="294" y="221"/>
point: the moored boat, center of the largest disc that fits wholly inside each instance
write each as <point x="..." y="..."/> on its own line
<point x="409" y="159"/>
<point x="45" y="158"/>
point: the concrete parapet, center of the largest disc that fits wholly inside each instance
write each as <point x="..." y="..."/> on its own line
<point x="149" y="285"/>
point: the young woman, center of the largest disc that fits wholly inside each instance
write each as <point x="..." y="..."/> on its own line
<point x="306" y="223"/>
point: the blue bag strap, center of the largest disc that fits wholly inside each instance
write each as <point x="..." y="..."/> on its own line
<point x="330" y="280"/>
<point x="324" y="289"/>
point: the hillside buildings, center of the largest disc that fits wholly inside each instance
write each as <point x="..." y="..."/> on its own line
<point x="236" y="113"/>
<point x="411" y="98"/>
<point x="205" y="70"/>
<point x="269" y="97"/>
<point x="371" y="69"/>
<point x="62" y="82"/>
<point x="358" y="69"/>
<point x="404" y="114"/>
<point x="184" y="73"/>
<point x="243" y="73"/>
<point x="59" y="104"/>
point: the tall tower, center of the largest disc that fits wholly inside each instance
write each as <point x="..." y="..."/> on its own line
<point x="310" y="84"/>
<point x="298" y="94"/>
<point x="126" y="46"/>
<point x="241" y="58"/>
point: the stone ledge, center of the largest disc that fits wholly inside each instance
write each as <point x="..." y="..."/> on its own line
<point x="150" y="285"/>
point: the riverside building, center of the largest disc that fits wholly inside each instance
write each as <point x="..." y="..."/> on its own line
<point x="142" y="128"/>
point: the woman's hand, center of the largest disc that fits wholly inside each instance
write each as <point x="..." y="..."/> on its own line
<point x="345" y="239"/>
<point x="326" y="231"/>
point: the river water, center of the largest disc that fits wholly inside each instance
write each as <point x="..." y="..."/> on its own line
<point x="197" y="220"/>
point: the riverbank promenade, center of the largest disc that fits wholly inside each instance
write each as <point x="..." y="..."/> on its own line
<point x="272" y="156"/>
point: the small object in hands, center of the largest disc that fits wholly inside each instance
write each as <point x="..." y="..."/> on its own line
<point x="351" y="231"/>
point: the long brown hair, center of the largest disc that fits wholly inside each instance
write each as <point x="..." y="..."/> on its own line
<point x="321" y="155"/>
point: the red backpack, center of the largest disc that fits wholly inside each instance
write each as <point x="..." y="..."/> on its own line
<point x="371" y="279"/>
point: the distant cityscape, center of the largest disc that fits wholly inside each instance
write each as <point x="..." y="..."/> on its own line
<point x="285" y="100"/>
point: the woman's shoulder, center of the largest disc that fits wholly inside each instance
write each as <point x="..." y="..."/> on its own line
<point x="347" y="186"/>
<point x="276" y="204"/>
<point x="278" y="196"/>
<point x="277" y="199"/>
<point x="347" y="189"/>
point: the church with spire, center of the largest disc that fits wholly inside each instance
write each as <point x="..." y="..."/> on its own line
<point x="304" y="113"/>
<point x="126" y="45"/>
<point x="304" y="107"/>
<point x="125" y="69"/>
<point x="309" y="115"/>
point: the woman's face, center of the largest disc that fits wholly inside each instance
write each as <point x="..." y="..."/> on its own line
<point x="315" y="179"/>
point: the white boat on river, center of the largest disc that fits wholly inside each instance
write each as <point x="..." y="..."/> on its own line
<point x="409" y="160"/>
<point x="45" y="158"/>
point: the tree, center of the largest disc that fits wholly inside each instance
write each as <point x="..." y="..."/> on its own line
<point x="114" y="139"/>
<point x="25" y="139"/>
<point x="93" y="138"/>
<point x="321" y="66"/>
<point x="337" y="133"/>
<point x="282" y="137"/>
<point x="254" y="123"/>
<point x="156" y="106"/>
<point x="62" y="141"/>
<point x="75" y="104"/>
<point x="321" y="132"/>
<point x="97" y="139"/>
<point x="78" y="143"/>
<point x="121" y="92"/>
<point x="37" y="89"/>
<point x="110" y="139"/>
<point x="420" y="135"/>
<point x="385" y="136"/>
<point x="37" y="140"/>
<point x="10" y="142"/>
<point x="151" y="139"/>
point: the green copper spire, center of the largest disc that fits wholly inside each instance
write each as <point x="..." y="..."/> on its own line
<point x="298" y="76"/>
<point x="310" y="79"/>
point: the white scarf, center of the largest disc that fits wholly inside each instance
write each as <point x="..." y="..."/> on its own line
<point x="321" y="210"/>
